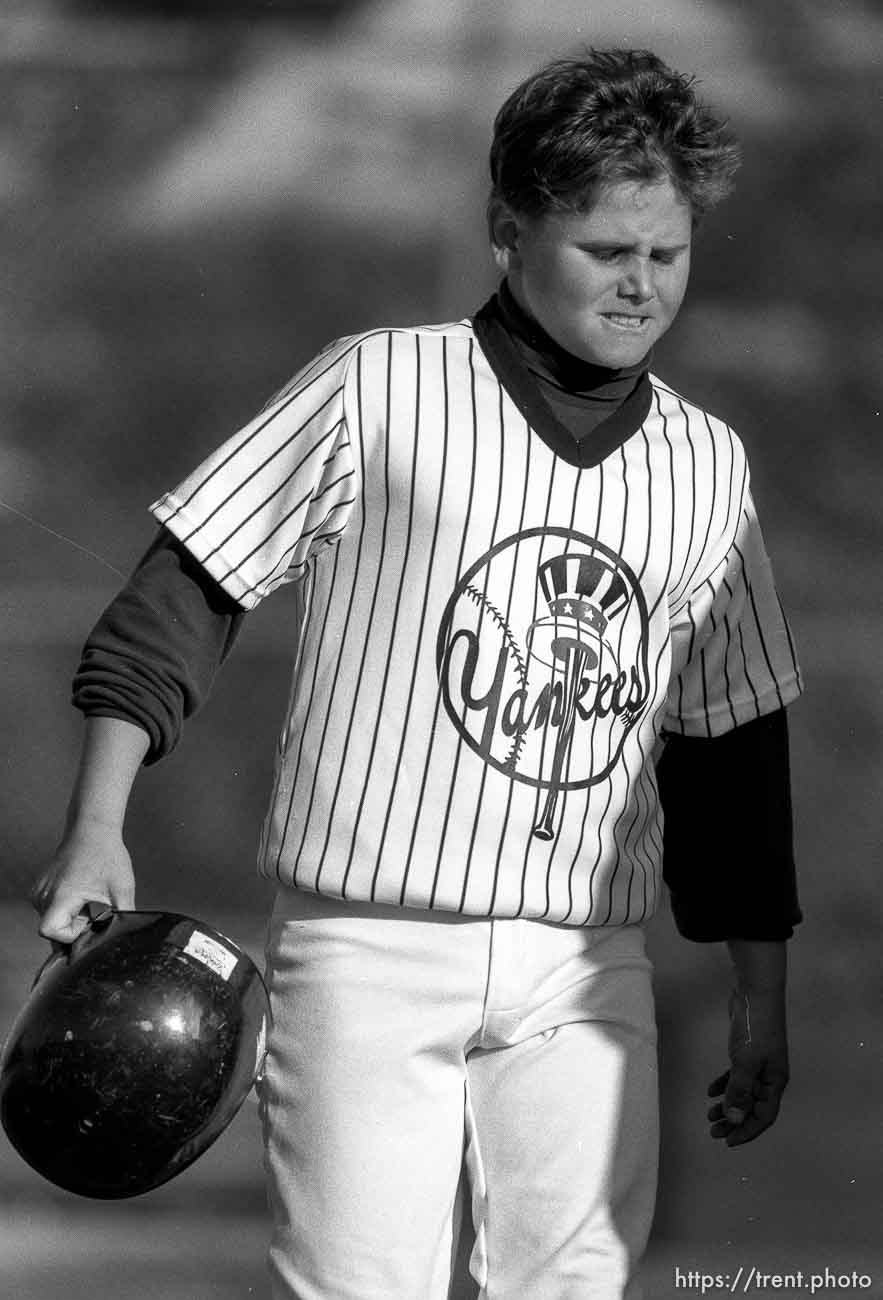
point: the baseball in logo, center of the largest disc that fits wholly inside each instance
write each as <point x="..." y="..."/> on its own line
<point x="542" y="661"/>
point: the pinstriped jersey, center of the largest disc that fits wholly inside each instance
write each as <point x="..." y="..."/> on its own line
<point x="489" y="639"/>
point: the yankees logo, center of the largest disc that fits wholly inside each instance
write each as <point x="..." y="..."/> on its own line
<point x="542" y="661"/>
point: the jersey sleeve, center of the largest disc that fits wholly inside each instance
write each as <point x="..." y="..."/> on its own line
<point x="280" y="490"/>
<point x="733" y="655"/>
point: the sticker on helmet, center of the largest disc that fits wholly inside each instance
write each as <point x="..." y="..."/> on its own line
<point x="211" y="953"/>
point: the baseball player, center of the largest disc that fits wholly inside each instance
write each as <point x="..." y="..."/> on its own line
<point x="534" y="609"/>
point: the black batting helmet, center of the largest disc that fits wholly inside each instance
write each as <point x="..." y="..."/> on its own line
<point x="134" y="1051"/>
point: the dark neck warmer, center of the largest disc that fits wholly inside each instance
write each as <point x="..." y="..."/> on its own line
<point x="582" y="411"/>
<point x="580" y="393"/>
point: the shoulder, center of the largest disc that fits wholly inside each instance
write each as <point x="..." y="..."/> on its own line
<point x="688" y="423"/>
<point x="391" y="364"/>
<point x="395" y="343"/>
<point x="382" y="340"/>
<point x="340" y="363"/>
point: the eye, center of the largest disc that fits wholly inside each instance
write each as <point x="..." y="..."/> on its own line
<point x="665" y="257"/>
<point x="606" y="254"/>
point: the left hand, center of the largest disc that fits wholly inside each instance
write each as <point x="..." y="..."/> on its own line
<point x="751" y="1090"/>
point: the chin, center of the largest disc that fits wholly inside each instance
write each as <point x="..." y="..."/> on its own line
<point x="616" y="357"/>
<point x="599" y="349"/>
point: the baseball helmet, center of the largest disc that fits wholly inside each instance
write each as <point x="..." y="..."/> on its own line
<point x="135" y="1049"/>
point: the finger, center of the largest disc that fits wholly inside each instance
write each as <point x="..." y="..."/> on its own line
<point x="738" y="1100"/>
<point x="60" y="927"/>
<point x="66" y="919"/>
<point x="763" y="1115"/>
<point x="722" y="1127"/>
<point x="747" y="1132"/>
<point x="735" y="1134"/>
<point x="718" y="1086"/>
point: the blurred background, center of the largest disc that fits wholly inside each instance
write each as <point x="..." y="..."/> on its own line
<point x="194" y="197"/>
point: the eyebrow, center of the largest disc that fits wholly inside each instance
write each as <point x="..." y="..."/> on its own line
<point x="612" y="245"/>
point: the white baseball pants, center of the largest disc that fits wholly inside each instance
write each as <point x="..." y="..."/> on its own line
<point x="402" y="1039"/>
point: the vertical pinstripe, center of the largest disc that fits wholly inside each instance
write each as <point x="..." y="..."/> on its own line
<point x="452" y="781"/>
<point x="501" y="841"/>
<point x="457" y="737"/>
<point x="403" y="895"/>
<point x="407" y="716"/>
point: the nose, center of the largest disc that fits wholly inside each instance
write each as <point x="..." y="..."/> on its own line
<point x="637" y="280"/>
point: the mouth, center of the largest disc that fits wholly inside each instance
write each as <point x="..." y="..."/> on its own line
<point x="622" y="321"/>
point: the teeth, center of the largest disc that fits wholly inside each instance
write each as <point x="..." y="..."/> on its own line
<point x="629" y="322"/>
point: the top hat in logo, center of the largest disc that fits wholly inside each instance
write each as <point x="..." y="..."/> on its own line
<point x="583" y="593"/>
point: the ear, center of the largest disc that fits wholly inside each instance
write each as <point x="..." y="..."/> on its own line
<point x="504" y="227"/>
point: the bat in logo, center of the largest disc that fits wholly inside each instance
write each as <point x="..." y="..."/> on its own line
<point x="583" y="593"/>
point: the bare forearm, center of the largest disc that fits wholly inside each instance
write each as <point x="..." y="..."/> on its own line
<point x="113" y="751"/>
<point x="92" y="864"/>
<point x="750" y="1091"/>
<point x="761" y="966"/>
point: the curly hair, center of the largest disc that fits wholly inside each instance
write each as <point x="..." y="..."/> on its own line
<point x="612" y="115"/>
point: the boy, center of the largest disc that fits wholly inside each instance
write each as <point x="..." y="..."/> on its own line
<point x="522" y="565"/>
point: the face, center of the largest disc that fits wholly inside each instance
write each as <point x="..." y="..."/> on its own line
<point x="607" y="283"/>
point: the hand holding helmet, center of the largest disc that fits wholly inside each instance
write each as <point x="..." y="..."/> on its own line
<point x="134" y="1051"/>
<point x="91" y="865"/>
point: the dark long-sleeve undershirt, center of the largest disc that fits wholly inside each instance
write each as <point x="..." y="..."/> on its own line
<point x="152" y="657"/>
<point x="728" y="855"/>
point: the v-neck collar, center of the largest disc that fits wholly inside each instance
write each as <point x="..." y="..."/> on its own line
<point x="508" y="365"/>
